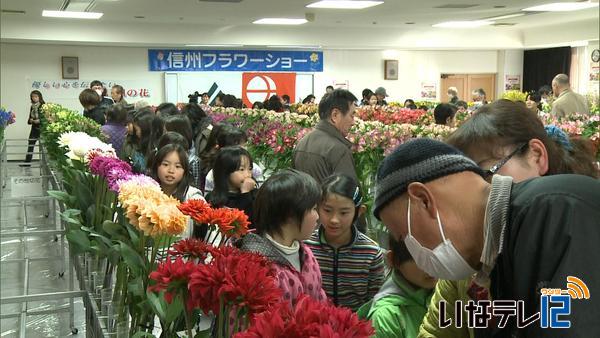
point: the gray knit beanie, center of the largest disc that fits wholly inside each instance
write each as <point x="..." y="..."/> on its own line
<point x="419" y="160"/>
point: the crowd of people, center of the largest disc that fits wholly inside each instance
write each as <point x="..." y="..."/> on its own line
<point x="503" y="208"/>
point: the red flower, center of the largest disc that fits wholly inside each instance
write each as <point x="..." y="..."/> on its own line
<point x="191" y="248"/>
<point x="204" y="286"/>
<point x="271" y="324"/>
<point x="231" y="222"/>
<point x="243" y="279"/>
<point x="197" y="209"/>
<point x="310" y="318"/>
<point x="172" y="276"/>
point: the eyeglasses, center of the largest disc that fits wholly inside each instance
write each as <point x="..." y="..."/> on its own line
<point x="494" y="169"/>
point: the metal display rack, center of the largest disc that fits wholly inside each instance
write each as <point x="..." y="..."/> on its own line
<point x="53" y="227"/>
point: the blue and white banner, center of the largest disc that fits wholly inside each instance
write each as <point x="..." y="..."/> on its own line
<point x="193" y="60"/>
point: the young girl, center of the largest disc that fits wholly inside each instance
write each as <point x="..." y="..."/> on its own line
<point x="231" y="136"/>
<point x="115" y="128"/>
<point x="171" y="170"/>
<point x="285" y="215"/>
<point x="234" y="185"/>
<point x="181" y="124"/>
<point x="399" y="307"/>
<point x="351" y="263"/>
<point x="34" y="120"/>
<point x="142" y="126"/>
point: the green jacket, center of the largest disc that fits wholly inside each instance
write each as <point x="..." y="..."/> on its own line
<point x="397" y="309"/>
<point x="450" y="291"/>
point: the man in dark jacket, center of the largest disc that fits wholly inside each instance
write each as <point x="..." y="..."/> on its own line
<point x="325" y="150"/>
<point x="98" y="87"/>
<point x="524" y="240"/>
<point x="90" y="101"/>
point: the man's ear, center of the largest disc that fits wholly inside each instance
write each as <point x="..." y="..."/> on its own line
<point x="335" y="115"/>
<point x="422" y="199"/>
<point x="538" y="156"/>
<point x="362" y="209"/>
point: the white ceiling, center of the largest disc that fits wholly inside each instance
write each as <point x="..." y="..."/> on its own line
<point x="180" y="22"/>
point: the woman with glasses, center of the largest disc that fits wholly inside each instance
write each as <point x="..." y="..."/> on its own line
<point x="508" y="139"/>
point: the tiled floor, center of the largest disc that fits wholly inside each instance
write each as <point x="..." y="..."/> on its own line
<point x="46" y="265"/>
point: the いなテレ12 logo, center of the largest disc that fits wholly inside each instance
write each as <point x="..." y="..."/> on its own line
<point x="555" y="304"/>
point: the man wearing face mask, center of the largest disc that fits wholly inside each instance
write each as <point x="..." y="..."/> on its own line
<point x="98" y="87"/>
<point x="517" y="238"/>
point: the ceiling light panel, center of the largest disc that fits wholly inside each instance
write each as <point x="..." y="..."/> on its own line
<point x="562" y="7"/>
<point x="344" y="4"/>
<point x="280" y="21"/>
<point x="72" y="15"/>
<point x="463" y="24"/>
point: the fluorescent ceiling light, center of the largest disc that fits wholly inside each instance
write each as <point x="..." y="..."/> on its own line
<point x="344" y="4"/>
<point x="295" y="46"/>
<point x="561" y="7"/>
<point x="504" y="17"/>
<point x="214" y="45"/>
<point x="463" y="24"/>
<point x="72" y="15"/>
<point x="280" y="21"/>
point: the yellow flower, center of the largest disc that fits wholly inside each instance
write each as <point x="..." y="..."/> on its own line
<point x="151" y="211"/>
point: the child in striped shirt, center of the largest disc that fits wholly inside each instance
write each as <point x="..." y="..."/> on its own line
<point x="351" y="263"/>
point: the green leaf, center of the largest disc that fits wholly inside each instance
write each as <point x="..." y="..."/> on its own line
<point x="89" y="214"/>
<point x="62" y="197"/>
<point x="133" y="234"/>
<point x="133" y="260"/>
<point x="114" y="229"/>
<point x="158" y="305"/>
<point x="79" y="240"/>
<point x="203" y="334"/>
<point x="175" y="309"/>
<point x="142" y="334"/>
<point x="136" y="287"/>
<point x="114" y="256"/>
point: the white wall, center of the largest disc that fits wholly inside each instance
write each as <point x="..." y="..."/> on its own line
<point x="585" y="85"/>
<point x="21" y="63"/>
<point x="364" y="69"/>
<point x="510" y="62"/>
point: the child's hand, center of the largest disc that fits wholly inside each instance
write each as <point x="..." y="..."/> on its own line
<point x="248" y="185"/>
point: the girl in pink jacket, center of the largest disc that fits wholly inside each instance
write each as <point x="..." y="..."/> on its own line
<point x="285" y="214"/>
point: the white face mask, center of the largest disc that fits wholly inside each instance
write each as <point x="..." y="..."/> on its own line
<point x="99" y="91"/>
<point x="442" y="262"/>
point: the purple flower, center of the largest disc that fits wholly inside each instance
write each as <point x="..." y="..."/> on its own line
<point x="111" y="169"/>
<point x="102" y="165"/>
<point x="115" y="175"/>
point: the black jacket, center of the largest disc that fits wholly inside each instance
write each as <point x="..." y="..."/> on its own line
<point x="238" y="201"/>
<point x="96" y="114"/>
<point x="552" y="231"/>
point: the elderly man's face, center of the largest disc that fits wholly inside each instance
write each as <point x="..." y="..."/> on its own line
<point x="343" y="122"/>
<point x="432" y="211"/>
<point x="555" y="89"/>
<point x="394" y="217"/>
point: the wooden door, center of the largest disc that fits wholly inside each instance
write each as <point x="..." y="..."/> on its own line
<point x="454" y="80"/>
<point x="485" y="81"/>
<point x="466" y="84"/>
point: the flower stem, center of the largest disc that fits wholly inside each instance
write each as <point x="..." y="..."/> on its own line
<point x="227" y="320"/>
<point x="220" y="317"/>
<point x="186" y="314"/>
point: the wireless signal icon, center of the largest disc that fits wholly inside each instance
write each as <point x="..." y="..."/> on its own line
<point x="577" y="288"/>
